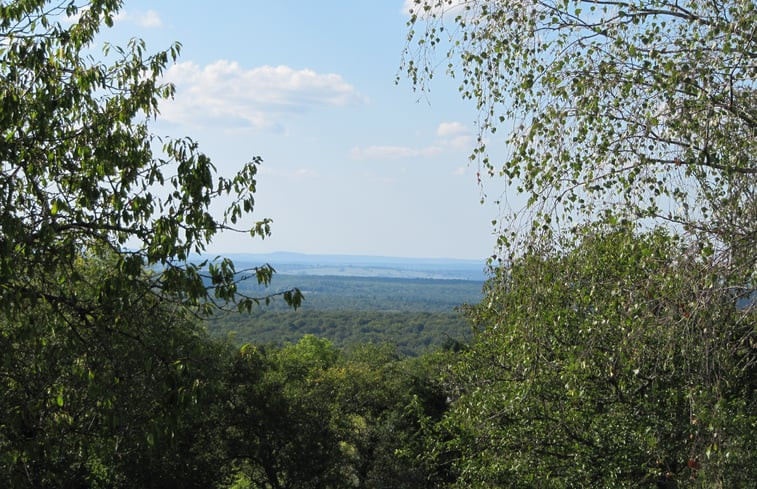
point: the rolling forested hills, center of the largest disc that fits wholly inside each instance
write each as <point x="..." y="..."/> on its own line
<point x="415" y="314"/>
<point x="365" y="265"/>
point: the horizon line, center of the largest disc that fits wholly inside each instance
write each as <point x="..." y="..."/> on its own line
<point x="346" y="255"/>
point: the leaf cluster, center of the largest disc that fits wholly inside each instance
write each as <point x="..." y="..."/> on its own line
<point x="600" y="366"/>
<point x="80" y="169"/>
<point x="644" y="109"/>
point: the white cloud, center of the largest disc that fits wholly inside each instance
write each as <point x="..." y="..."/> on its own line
<point x="463" y="141"/>
<point x="446" y="129"/>
<point x="455" y="135"/>
<point x="392" y="152"/>
<point x="224" y="92"/>
<point x="450" y="136"/>
<point x="148" y="19"/>
<point x="305" y="173"/>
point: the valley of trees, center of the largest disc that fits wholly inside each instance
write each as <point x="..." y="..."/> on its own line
<point x="413" y="315"/>
<point x="411" y="333"/>
<point x="615" y="343"/>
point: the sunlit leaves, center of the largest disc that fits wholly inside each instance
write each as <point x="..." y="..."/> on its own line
<point x="100" y="220"/>
<point x="594" y="349"/>
<point x="598" y="365"/>
<point x="80" y="166"/>
<point x="646" y="108"/>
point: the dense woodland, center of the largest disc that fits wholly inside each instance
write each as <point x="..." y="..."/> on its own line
<point x="413" y="315"/>
<point x="412" y="333"/>
<point x="614" y="345"/>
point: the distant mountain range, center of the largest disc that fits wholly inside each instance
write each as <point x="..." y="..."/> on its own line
<point x="365" y="266"/>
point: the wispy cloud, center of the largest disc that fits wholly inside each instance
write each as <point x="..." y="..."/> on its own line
<point x="392" y="152"/>
<point x="225" y="93"/>
<point x="451" y="129"/>
<point x="449" y="136"/>
<point x="148" y="19"/>
<point x="455" y="135"/>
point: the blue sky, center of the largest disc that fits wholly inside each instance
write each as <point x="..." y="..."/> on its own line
<point x="353" y="163"/>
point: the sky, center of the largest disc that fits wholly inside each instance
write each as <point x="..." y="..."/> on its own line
<point x="353" y="162"/>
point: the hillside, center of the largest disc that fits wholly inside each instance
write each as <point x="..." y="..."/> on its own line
<point x="373" y="300"/>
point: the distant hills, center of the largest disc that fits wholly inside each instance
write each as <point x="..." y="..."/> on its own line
<point x="411" y="303"/>
<point x="287" y="263"/>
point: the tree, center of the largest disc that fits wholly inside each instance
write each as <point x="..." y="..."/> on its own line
<point x="108" y="400"/>
<point x="308" y="415"/>
<point x="99" y="384"/>
<point x="388" y="403"/>
<point x="281" y="428"/>
<point x="601" y="349"/>
<point x="593" y="367"/>
<point x="642" y="108"/>
<point x="80" y="168"/>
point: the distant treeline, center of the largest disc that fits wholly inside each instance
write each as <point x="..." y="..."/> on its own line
<point x="373" y="293"/>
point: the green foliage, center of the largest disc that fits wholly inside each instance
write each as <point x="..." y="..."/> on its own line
<point x="79" y="168"/>
<point x="278" y="424"/>
<point x="307" y="416"/>
<point x="118" y="401"/>
<point x="104" y="399"/>
<point x="413" y="333"/>
<point x="603" y="357"/>
<point x="415" y="315"/>
<point x="104" y="369"/>
<point x="643" y="108"/>
<point x="388" y="401"/>
<point x="107" y="378"/>
<point x="595" y="366"/>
